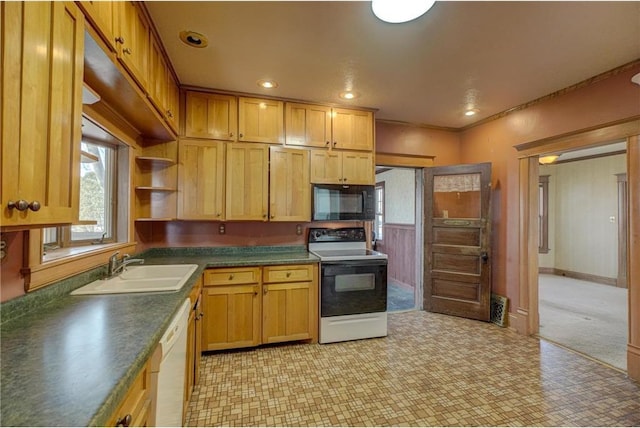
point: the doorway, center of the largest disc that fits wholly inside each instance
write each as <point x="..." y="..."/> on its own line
<point x="582" y="300"/>
<point x="398" y="233"/>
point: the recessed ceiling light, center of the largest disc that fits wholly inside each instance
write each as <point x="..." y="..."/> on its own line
<point x="193" y="39"/>
<point x="398" y="11"/>
<point x="348" y="95"/>
<point x="267" y="84"/>
<point x="546" y="160"/>
<point x="471" y="112"/>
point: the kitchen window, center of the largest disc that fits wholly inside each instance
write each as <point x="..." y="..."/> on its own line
<point x="379" y="216"/>
<point x="98" y="190"/>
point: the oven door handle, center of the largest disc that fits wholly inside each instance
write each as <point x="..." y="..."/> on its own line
<point x="361" y="262"/>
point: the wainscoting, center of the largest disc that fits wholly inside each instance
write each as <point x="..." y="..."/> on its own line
<point x="399" y="244"/>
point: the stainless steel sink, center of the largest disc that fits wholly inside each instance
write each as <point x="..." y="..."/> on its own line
<point x="141" y="279"/>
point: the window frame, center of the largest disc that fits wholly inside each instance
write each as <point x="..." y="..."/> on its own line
<point x="379" y="187"/>
<point x="543" y="214"/>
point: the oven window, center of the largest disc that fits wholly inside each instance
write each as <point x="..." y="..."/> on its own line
<point x="360" y="282"/>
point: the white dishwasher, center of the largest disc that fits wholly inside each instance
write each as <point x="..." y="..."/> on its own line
<point x="171" y="377"/>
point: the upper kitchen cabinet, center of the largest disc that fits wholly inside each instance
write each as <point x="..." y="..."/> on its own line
<point x="40" y="111"/>
<point x="132" y="40"/>
<point x="337" y="167"/>
<point x="335" y="128"/>
<point x="201" y="180"/>
<point x="308" y="125"/>
<point x="163" y="90"/>
<point x="260" y="120"/>
<point x="352" y="129"/>
<point x="247" y="181"/>
<point x="213" y="116"/>
<point x="289" y="186"/>
<point x="102" y="15"/>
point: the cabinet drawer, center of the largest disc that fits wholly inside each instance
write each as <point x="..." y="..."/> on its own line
<point x="232" y="276"/>
<point x="290" y="273"/>
<point x="136" y="404"/>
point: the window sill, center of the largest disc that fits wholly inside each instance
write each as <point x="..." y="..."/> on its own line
<point x="67" y="262"/>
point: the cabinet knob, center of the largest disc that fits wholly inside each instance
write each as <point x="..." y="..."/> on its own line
<point x="124" y="421"/>
<point x="34" y="206"/>
<point x="169" y="114"/>
<point x="335" y="143"/>
<point x="20" y="205"/>
<point x="327" y="143"/>
<point x="344" y="180"/>
<point x="231" y="134"/>
<point x="264" y="290"/>
<point x="273" y="216"/>
<point x="288" y="274"/>
<point x="218" y="214"/>
<point x="230" y="277"/>
<point x="264" y="216"/>
<point x="241" y="135"/>
<point x="127" y="51"/>
<point x="119" y="39"/>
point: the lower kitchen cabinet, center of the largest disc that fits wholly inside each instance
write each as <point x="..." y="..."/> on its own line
<point x="248" y="306"/>
<point x="194" y="347"/>
<point x="288" y="305"/>
<point x="136" y="407"/>
<point x="231" y="307"/>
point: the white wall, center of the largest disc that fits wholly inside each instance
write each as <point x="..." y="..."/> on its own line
<point x="583" y="195"/>
<point x="400" y="195"/>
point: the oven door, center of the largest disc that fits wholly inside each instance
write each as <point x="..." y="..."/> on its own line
<point x="353" y="287"/>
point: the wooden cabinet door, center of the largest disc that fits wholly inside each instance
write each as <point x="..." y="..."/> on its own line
<point x="101" y="14"/>
<point x="289" y="303"/>
<point x="231" y="316"/>
<point x="157" y="88"/>
<point x="260" y="121"/>
<point x="289" y="185"/>
<point x="307" y="125"/>
<point x="326" y="167"/>
<point x="352" y="129"/>
<point x="211" y="116"/>
<point x="41" y="96"/>
<point x="172" y="113"/>
<point x="357" y="168"/>
<point x="247" y="181"/>
<point x="201" y="180"/>
<point x="133" y="41"/>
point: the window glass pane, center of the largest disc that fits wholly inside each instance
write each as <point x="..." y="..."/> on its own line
<point x="456" y="196"/>
<point x="96" y="193"/>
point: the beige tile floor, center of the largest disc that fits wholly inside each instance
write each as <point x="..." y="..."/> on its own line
<point x="431" y="370"/>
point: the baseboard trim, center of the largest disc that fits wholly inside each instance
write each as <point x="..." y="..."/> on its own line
<point x="581" y="276"/>
<point x="633" y="362"/>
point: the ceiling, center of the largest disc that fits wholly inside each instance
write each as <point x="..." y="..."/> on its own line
<point x="490" y="56"/>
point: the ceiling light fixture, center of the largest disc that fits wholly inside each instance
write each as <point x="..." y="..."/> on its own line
<point x="267" y="84"/>
<point x="193" y="39"/>
<point x="546" y="160"/>
<point x="471" y="112"/>
<point x="348" y="95"/>
<point x="398" y="11"/>
<point x="636" y="79"/>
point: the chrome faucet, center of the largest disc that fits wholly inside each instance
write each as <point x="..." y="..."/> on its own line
<point x="116" y="266"/>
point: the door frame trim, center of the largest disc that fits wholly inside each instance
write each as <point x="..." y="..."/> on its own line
<point x="526" y="318"/>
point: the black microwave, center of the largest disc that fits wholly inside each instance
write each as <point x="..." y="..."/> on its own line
<point x="342" y="202"/>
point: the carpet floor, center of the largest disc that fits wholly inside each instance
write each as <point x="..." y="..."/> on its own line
<point x="586" y="317"/>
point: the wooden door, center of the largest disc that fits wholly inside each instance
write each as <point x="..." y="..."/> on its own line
<point x="308" y="125"/>
<point x="260" y="121"/>
<point x="326" y="167"/>
<point x="289" y="186"/>
<point x="352" y="129"/>
<point x="201" y="180"/>
<point x="212" y="116"/>
<point x="457" y="241"/>
<point x="247" y="181"/>
<point x="40" y="111"/>
<point x="357" y="168"/>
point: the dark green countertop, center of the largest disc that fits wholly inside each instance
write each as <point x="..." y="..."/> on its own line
<point x="69" y="360"/>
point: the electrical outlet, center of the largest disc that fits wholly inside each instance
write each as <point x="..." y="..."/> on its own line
<point x="298" y="229"/>
<point x="221" y="229"/>
<point x="3" y="246"/>
<point x="612" y="219"/>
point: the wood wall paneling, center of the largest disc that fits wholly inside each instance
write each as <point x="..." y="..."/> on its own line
<point x="399" y="244"/>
